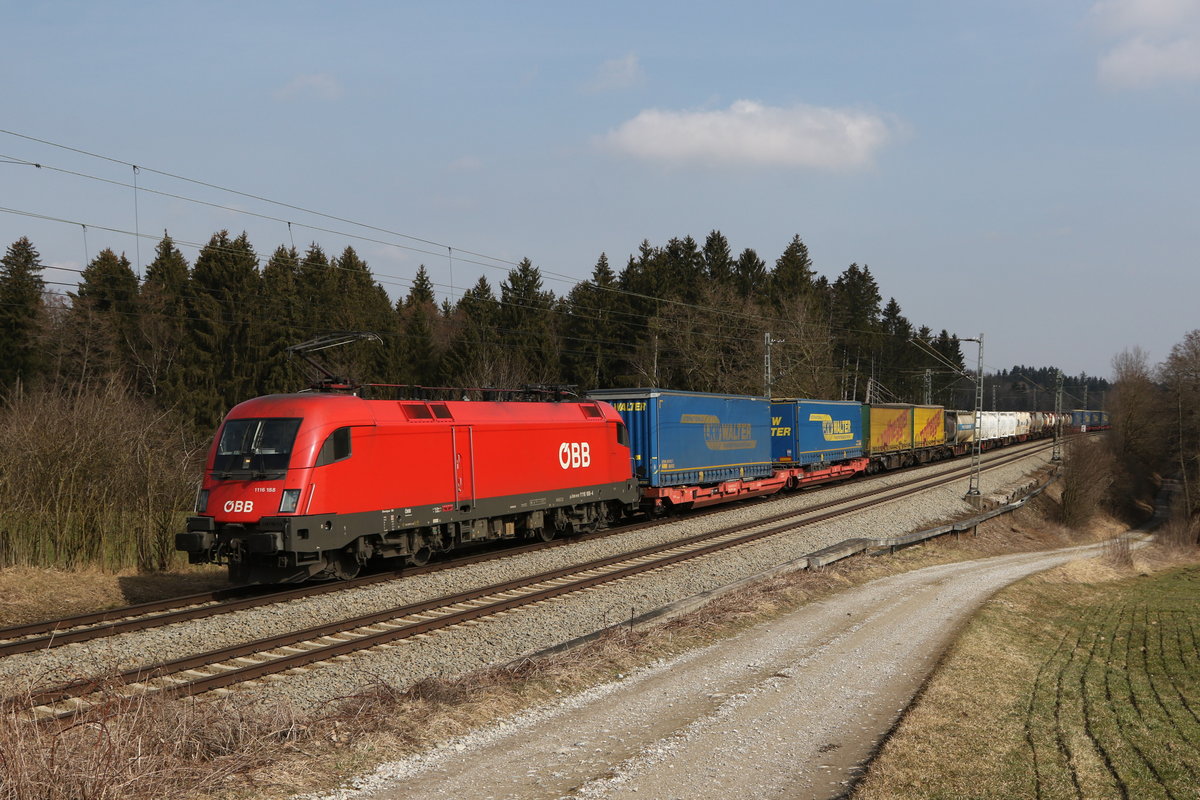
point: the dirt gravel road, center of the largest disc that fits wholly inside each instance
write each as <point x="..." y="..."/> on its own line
<point x="788" y="709"/>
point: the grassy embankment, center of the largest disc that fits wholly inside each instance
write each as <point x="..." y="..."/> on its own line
<point x="1081" y="682"/>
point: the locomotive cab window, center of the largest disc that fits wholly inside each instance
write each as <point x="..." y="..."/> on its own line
<point x="335" y="448"/>
<point x="622" y="435"/>
<point x="255" y="445"/>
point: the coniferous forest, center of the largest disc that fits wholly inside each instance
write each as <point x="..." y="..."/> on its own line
<point x="113" y="390"/>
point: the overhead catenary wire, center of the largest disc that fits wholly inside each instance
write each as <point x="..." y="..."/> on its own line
<point x="488" y="261"/>
<point x="358" y="237"/>
<point x="247" y="195"/>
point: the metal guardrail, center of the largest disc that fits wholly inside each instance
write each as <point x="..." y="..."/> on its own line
<point x="896" y="542"/>
<point x="852" y="547"/>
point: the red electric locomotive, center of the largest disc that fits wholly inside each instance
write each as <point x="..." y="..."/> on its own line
<point x="301" y="486"/>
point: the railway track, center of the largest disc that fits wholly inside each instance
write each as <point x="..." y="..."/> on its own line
<point x="222" y="668"/>
<point x="88" y="627"/>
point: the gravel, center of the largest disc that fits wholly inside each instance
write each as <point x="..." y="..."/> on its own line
<point x="510" y="636"/>
<point x="785" y="709"/>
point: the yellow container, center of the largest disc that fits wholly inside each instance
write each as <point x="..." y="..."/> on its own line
<point x="891" y="428"/>
<point x="929" y="426"/>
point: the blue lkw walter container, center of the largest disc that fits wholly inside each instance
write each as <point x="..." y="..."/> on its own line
<point x="807" y="432"/>
<point x="693" y="438"/>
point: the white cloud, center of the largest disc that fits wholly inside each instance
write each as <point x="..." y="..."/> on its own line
<point x="1156" y="41"/>
<point x="616" y="74"/>
<point x="751" y="133"/>
<point x="320" y="87"/>
<point x="1122" y="17"/>
<point x="1144" y="62"/>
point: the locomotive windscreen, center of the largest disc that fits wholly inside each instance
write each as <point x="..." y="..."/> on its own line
<point x="255" y="445"/>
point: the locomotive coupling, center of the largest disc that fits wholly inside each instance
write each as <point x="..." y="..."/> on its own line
<point x="201" y="536"/>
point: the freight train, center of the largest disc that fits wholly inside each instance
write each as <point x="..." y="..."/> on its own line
<point x="317" y="485"/>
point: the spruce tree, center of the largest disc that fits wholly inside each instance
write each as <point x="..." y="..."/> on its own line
<point x="162" y="326"/>
<point x="283" y="322"/>
<point x="318" y="290"/>
<point x="645" y="280"/>
<point x="108" y="284"/>
<point x="793" y="274"/>
<point x="527" y="323"/>
<point x="102" y="324"/>
<point x="898" y="363"/>
<point x="592" y="344"/>
<point x="226" y="342"/>
<point x="476" y="356"/>
<point x="363" y="305"/>
<point x="22" y="309"/>
<point x="718" y="259"/>
<point x="419" y="323"/>
<point x="685" y="270"/>
<point x="855" y="301"/>
<point x="749" y="274"/>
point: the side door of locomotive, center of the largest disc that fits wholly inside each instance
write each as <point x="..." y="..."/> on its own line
<point x="463" y="443"/>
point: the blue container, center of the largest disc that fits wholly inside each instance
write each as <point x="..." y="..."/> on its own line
<point x="693" y="438"/>
<point x="815" y="431"/>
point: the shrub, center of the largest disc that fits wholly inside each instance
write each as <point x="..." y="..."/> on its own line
<point x="1086" y="478"/>
<point x="97" y="477"/>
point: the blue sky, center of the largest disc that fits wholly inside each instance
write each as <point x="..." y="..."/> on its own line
<point x="1027" y="170"/>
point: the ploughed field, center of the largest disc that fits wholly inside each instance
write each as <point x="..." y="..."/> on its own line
<point x="1114" y="707"/>
<point x="1064" y="687"/>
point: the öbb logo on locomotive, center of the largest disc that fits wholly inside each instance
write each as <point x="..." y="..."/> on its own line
<point x="239" y="506"/>
<point x="574" y="455"/>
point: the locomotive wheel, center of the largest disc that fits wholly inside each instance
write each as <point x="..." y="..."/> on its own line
<point x="595" y="518"/>
<point x="546" y="533"/>
<point x="344" y="565"/>
<point x="420" y="558"/>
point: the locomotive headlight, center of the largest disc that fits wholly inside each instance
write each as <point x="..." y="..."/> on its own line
<point x="287" y="504"/>
<point x="202" y="501"/>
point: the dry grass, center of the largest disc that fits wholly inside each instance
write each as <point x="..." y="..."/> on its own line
<point x="1178" y="534"/>
<point x="141" y="750"/>
<point x="1033" y="700"/>
<point x="32" y="594"/>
